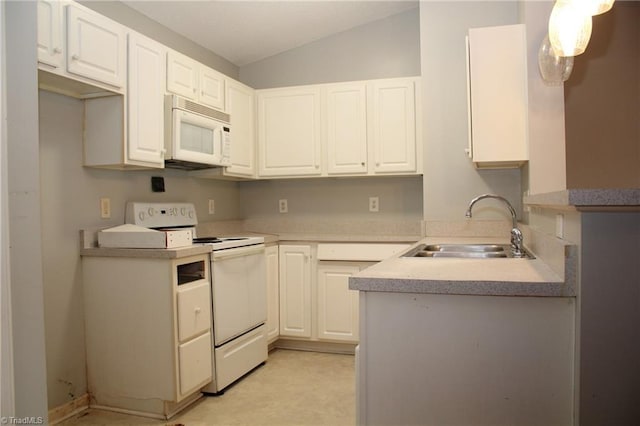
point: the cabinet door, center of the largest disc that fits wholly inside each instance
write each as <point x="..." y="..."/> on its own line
<point x="498" y="96"/>
<point x="146" y="101"/>
<point x="289" y="132"/>
<point x="240" y="107"/>
<point x="182" y="75"/>
<point x="394" y="125"/>
<point x="96" y="47"/>
<point x="346" y="125"/>
<point x="273" y="294"/>
<point x="50" y="33"/>
<point x="211" y="88"/>
<point x="337" y="305"/>
<point x="295" y="291"/>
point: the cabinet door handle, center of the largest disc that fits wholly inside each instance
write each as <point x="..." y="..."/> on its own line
<point x="75" y="57"/>
<point x="362" y="164"/>
<point x="197" y="310"/>
<point x="57" y="50"/>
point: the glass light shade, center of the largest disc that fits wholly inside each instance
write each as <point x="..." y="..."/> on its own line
<point x="569" y="29"/>
<point x="554" y="69"/>
<point x="595" y="7"/>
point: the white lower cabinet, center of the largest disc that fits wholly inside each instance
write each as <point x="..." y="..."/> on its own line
<point x="148" y="332"/>
<point x="273" y="293"/>
<point x="295" y="290"/>
<point x="337" y="306"/>
<point x="315" y="301"/>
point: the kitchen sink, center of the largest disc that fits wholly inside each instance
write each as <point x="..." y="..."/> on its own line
<point x="465" y="251"/>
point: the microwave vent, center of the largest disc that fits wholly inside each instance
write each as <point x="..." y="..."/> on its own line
<point x="188" y="105"/>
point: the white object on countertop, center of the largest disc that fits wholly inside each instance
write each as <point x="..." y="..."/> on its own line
<point x="134" y="236"/>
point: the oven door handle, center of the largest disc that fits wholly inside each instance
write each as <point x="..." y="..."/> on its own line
<point x="238" y="252"/>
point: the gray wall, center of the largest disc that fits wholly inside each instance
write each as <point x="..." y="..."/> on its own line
<point x="450" y="179"/>
<point x="388" y="47"/>
<point x="24" y="211"/>
<point x="339" y="199"/>
<point x="135" y="20"/>
<point x="70" y="197"/>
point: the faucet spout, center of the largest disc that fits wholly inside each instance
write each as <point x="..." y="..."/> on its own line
<point x="516" y="234"/>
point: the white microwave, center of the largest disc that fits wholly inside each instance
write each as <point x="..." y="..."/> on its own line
<point x="196" y="136"/>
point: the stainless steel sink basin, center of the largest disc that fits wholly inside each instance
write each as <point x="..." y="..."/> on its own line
<point x="464" y="251"/>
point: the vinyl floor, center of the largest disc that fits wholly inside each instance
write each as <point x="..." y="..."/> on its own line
<point x="292" y="388"/>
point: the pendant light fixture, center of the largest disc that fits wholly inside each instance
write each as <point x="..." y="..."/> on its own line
<point x="569" y="28"/>
<point x="596" y="7"/>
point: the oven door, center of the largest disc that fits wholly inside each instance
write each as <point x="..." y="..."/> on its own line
<point x="239" y="291"/>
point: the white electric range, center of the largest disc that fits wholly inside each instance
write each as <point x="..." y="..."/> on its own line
<point x="238" y="290"/>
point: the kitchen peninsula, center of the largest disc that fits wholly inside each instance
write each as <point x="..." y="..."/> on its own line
<point x="468" y="341"/>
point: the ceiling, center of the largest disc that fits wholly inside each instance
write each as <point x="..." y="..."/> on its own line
<point x="247" y="31"/>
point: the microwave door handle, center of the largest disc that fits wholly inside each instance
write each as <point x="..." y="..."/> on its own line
<point x="220" y="132"/>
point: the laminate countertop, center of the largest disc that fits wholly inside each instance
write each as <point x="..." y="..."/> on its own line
<point x="491" y="277"/>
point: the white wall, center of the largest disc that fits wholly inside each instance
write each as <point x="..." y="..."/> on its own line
<point x="70" y="197"/>
<point x="450" y="179"/>
<point x="389" y="47"/>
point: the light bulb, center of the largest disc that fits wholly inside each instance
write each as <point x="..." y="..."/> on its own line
<point x="569" y="29"/>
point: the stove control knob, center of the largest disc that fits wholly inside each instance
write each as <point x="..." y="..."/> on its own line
<point x="183" y="211"/>
<point x="150" y="211"/>
<point x="190" y="214"/>
<point x="141" y="216"/>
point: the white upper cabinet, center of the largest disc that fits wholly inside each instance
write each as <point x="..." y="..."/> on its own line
<point x="393" y="126"/>
<point x="193" y="80"/>
<point x="289" y="131"/>
<point x="346" y="127"/>
<point x="96" y="47"/>
<point x="240" y="107"/>
<point x="50" y="33"/>
<point x="211" y="88"/>
<point x="498" y="96"/>
<point x="125" y="132"/>
<point x="339" y="129"/>
<point x="146" y="100"/>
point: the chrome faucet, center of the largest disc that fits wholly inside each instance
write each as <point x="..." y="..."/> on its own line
<point x="516" y="235"/>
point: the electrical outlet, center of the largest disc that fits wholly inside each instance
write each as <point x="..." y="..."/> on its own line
<point x="282" y="206"/>
<point x="212" y="207"/>
<point x="374" y="204"/>
<point x="105" y="208"/>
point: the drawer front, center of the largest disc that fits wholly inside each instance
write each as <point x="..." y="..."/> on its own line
<point x="240" y="356"/>
<point x="194" y="310"/>
<point x="196" y="364"/>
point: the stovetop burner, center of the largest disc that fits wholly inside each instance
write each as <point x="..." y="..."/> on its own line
<point x="223" y="243"/>
<point x="209" y="240"/>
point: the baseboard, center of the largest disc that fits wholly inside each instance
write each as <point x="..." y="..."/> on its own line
<point x="314" y="346"/>
<point x="70" y="409"/>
